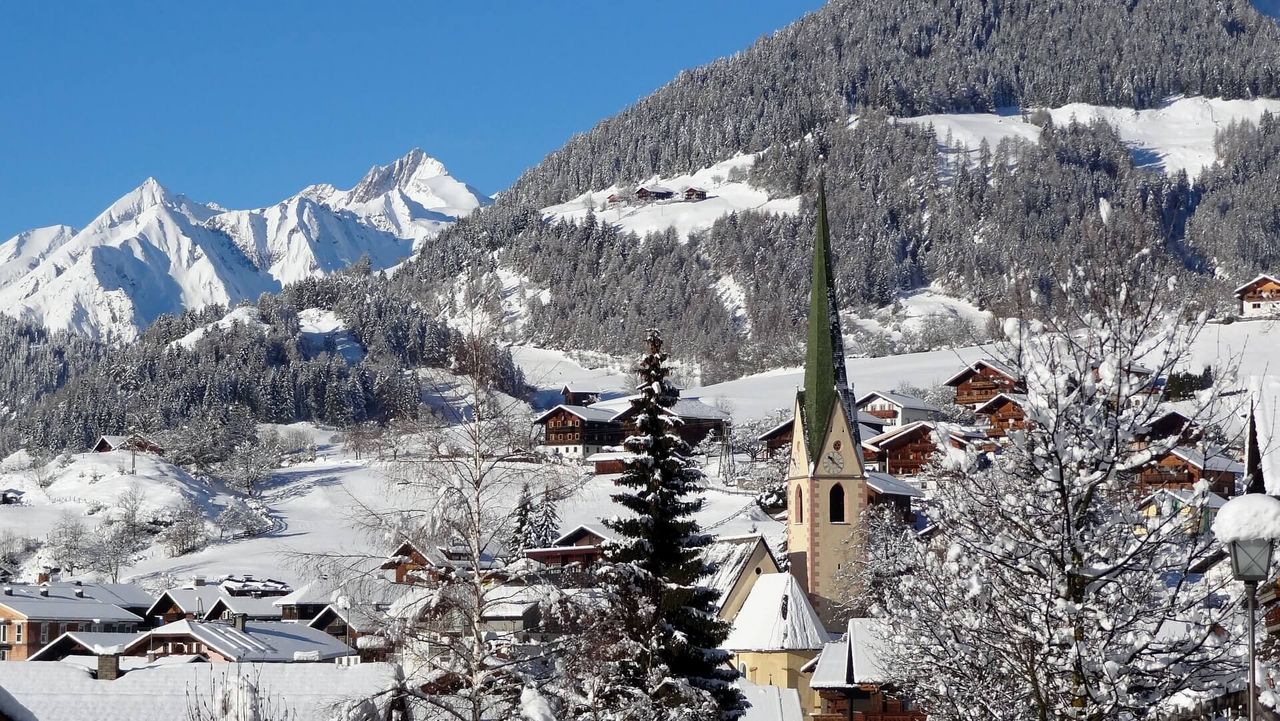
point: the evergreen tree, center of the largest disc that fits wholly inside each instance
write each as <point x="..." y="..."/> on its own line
<point x="659" y="560"/>
<point x="545" y="522"/>
<point x="521" y="522"/>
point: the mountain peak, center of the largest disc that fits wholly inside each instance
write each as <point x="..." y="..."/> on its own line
<point x="147" y="195"/>
<point x="413" y="168"/>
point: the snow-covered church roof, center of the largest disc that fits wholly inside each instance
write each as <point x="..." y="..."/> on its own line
<point x="776" y="616"/>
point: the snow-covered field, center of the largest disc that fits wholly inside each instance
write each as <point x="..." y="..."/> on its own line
<point x="1178" y="135"/>
<point x="724" y="196"/>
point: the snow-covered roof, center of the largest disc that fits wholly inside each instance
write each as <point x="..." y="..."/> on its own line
<point x="770" y="703"/>
<point x="655" y="188"/>
<point x="61" y="603"/>
<point x="776" y="429"/>
<point x="579" y="387"/>
<point x="1185" y="497"/>
<point x="1214" y="462"/>
<point x="853" y="659"/>
<point x="1261" y="277"/>
<point x="598" y="530"/>
<point x="776" y="616"/>
<point x="316" y="592"/>
<point x="95" y="642"/>
<point x="587" y="413"/>
<point x="610" y="456"/>
<point x="730" y="556"/>
<point x="197" y="600"/>
<point x="56" y="691"/>
<point x="991" y="363"/>
<point x="895" y="432"/>
<point x="888" y="485"/>
<point x="268" y="641"/>
<point x="125" y="595"/>
<point x="113" y="441"/>
<point x="900" y="400"/>
<point x="248" y="584"/>
<point x="254" y="607"/>
<point x="1015" y="398"/>
<point x="690" y="408"/>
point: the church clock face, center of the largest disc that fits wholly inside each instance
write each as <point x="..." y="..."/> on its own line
<point x="833" y="462"/>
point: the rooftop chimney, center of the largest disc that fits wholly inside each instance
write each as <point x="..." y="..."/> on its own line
<point x="238" y="620"/>
<point x="108" y="667"/>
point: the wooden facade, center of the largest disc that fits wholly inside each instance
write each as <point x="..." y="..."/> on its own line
<point x="905" y="453"/>
<point x="564" y="427"/>
<point x="981" y="382"/>
<point x="106" y="444"/>
<point x="1176" y="472"/>
<point x="1004" y="413"/>
<point x="1259" y="297"/>
<point x="578" y="548"/>
<point x="695" y="194"/>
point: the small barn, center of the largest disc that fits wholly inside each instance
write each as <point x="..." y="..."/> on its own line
<point x="694" y="194"/>
<point x="654" y="192"/>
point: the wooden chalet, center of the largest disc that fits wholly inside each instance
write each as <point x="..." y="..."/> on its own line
<point x="1260" y="297"/>
<point x="697" y="419"/>
<point x="884" y="489"/>
<point x="1003" y="414"/>
<point x="850" y="680"/>
<point x="580" y="547"/>
<point x="647" y="193"/>
<point x="411" y="561"/>
<point x="10" y="497"/>
<point x="693" y="194"/>
<point x="1181" y="468"/>
<point x="903" y="451"/>
<point x="578" y="431"/>
<point x="982" y="381"/>
<point x="1170" y="424"/>
<point x="107" y="444"/>
<point x="359" y="627"/>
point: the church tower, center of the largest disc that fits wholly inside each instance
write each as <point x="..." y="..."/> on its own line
<point x="826" y="485"/>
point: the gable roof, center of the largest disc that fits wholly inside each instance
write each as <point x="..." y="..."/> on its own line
<point x="989" y="407"/>
<point x="93" y="643"/>
<point x="600" y="531"/>
<point x="770" y="703"/>
<point x="900" y="400"/>
<point x="124" y="595"/>
<point x="61" y="603"/>
<point x="886" y="484"/>
<point x="893" y="433"/>
<point x="730" y="555"/>
<point x="59" y="691"/>
<point x="1214" y="462"/>
<point x="254" y="607"/>
<point x="196" y="600"/>
<point x="852" y="660"/>
<point x="688" y="408"/>
<point x="579" y="388"/>
<point x="776" y="616"/>
<point x="1261" y="277"/>
<point x="590" y="414"/>
<point x="267" y="641"/>
<point x="973" y="367"/>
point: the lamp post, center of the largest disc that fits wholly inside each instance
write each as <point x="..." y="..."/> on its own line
<point x="1249" y="525"/>
<point x="1251" y="563"/>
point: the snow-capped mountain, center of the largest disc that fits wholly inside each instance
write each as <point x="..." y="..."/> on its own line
<point x="154" y="252"/>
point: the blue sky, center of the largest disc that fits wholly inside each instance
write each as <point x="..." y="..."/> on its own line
<point x="246" y="103"/>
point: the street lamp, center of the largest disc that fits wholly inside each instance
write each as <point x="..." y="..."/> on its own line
<point x="1249" y="526"/>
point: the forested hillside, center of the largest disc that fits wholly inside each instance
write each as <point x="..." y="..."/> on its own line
<point x="993" y="225"/>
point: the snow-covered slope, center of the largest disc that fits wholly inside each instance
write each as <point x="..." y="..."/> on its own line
<point x="724" y="196"/>
<point x="1178" y="135"/>
<point x="155" y="252"/>
<point x="20" y="254"/>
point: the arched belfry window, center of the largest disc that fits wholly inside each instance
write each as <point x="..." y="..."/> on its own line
<point x="799" y="513"/>
<point x="837" y="503"/>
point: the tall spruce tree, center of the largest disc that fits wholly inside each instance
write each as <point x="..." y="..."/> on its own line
<point x="521" y="523"/>
<point x="660" y="554"/>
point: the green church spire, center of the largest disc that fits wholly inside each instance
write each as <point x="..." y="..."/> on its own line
<point x="825" y="377"/>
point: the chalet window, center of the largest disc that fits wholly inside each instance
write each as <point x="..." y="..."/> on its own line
<point x="1257" y="305"/>
<point x="44" y="633"/>
<point x="17" y="633"/>
<point x="4" y="633"/>
<point x="837" y="503"/>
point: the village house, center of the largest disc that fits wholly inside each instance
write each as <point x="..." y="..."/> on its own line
<point x="578" y="431"/>
<point x="412" y="561"/>
<point x="254" y="608"/>
<point x="577" y="394"/>
<point x="906" y="451"/>
<point x="776" y="634"/>
<point x="608" y="463"/>
<point x="305" y="603"/>
<point x="238" y="641"/>
<point x="779" y="437"/>
<point x="1195" y="513"/>
<point x="1003" y="413"/>
<point x="1170" y="424"/>
<point x="1259" y="298"/>
<point x="983" y="380"/>
<point x="646" y="193"/>
<point x="694" y="194"/>
<point x="896" y="409"/>
<point x="575" y="550"/>
<point x="107" y="444"/>
<point x="358" y="625"/>
<point x="10" y="497"/>
<point x="739" y="562"/>
<point x="1181" y="468"/>
<point x="186" y="603"/>
<point x="31" y="616"/>
<point x="850" y="680"/>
